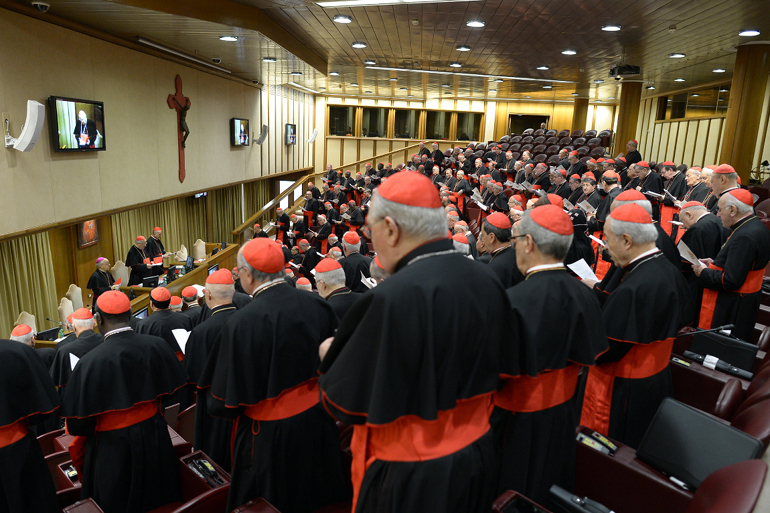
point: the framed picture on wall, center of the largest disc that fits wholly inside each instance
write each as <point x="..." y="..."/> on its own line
<point x="88" y="233"/>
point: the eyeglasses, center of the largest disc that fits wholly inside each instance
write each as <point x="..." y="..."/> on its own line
<point x="514" y="237"/>
<point x="367" y="228"/>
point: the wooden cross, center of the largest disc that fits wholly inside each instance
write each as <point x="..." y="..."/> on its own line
<point x="181" y="104"/>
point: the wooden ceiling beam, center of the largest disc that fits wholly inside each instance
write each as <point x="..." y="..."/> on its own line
<point x="236" y="15"/>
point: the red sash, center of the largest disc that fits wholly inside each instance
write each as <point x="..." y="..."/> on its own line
<point x="288" y="403"/>
<point x="357" y="194"/>
<point x="309" y="214"/>
<point x="601" y="266"/>
<point x="110" y="421"/>
<point x="546" y="390"/>
<point x="667" y="214"/>
<point x="642" y="361"/>
<point x="411" y="438"/>
<point x="324" y="246"/>
<point x="752" y="284"/>
<point x="12" y="433"/>
<point x="146" y="261"/>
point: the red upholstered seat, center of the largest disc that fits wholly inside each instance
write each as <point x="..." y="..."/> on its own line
<point x="540" y="148"/>
<point x="550" y="133"/>
<point x="576" y="133"/>
<point x="84" y="506"/>
<point x="259" y="505"/>
<point x="754" y="421"/>
<point x="701" y="388"/>
<point x="732" y="489"/>
<point x="505" y="138"/>
<point x="729" y="399"/>
<point x="552" y="160"/>
<point x="597" y="152"/>
<point x="578" y="141"/>
<point x="516" y="139"/>
<point x="540" y="157"/>
<point x="185" y="424"/>
<point x="585" y="159"/>
<point x="594" y="142"/>
<point x="46" y="442"/>
<point x="563" y="133"/>
<point x="527" y="139"/>
<point x="68" y="497"/>
<point x="53" y="461"/>
<point x="481" y="146"/>
<point x="583" y="150"/>
<point x="552" y="150"/>
<point x="515" y="154"/>
<point x="526" y="147"/>
<point x="504" y="146"/>
<point x="528" y="131"/>
<point x="513" y="502"/>
<point x="605" y="136"/>
<point x="564" y="141"/>
<point x="551" y="140"/>
<point x="589" y="134"/>
<point x="538" y="132"/>
<point x="682" y="167"/>
<point x="539" y="139"/>
<point x="764" y="206"/>
<point x="514" y="147"/>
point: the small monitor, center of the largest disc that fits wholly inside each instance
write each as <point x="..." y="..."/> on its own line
<point x="76" y="125"/>
<point x="190" y="264"/>
<point x="141" y="314"/>
<point x="214" y="268"/>
<point x="239" y="132"/>
<point x="150" y="282"/>
<point x="223" y="246"/>
<point x="50" y="334"/>
<point x="214" y="252"/>
<point x="291" y="134"/>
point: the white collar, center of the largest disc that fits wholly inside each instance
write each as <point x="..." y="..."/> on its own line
<point x="544" y="267"/>
<point x="265" y="285"/>
<point x="645" y="254"/>
<point x="118" y="330"/>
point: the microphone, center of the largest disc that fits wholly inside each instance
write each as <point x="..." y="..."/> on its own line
<point x="720" y="328"/>
<point x="55" y="322"/>
<point x="717" y="364"/>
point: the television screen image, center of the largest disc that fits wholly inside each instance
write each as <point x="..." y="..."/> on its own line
<point x="291" y="134"/>
<point x="214" y="268"/>
<point x="239" y="132"/>
<point x="76" y="125"/>
<point x="141" y="314"/>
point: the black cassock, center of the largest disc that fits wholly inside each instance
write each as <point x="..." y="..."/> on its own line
<point x="341" y="301"/>
<point x="161" y="323"/>
<point x="538" y="415"/>
<point x="581" y="244"/>
<point x="61" y="369"/>
<point x="503" y="264"/>
<point x="642" y="317"/>
<point x="137" y="260"/>
<point x="354" y="264"/>
<point x="574" y="196"/>
<point x="194" y="312"/>
<point x="130" y="468"/>
<point x="696" y="193"/>
<point x="705" y="239"/>
<point x="265" y="350"/>
<point x="155" y="249"/>
<point x="653" y="183"/>
<point x="399" y="366"/>
<point x="212" y="434"/>
<point x="29" y="397"/>
<point x="732" y="286"/>
<point x="100" y="282"/>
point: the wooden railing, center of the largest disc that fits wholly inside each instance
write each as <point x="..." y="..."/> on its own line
<point x="405" y="150"/>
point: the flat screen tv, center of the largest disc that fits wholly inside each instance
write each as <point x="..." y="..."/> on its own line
<point x="76" y="125"/>
<point x="214" y="268"/>
<point x="239" y="132"/>
<point x="291" y="134"/>
<point x="141" y="314"/>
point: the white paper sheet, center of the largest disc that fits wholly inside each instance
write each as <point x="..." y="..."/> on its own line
<point x="369" y="282"/>
<point x="73" y="361"/>
<point x="686" y="253"/>
<point x="583" y="271"/>
<point x="587" y="207"/>
<point x="199" y="288"/>
<point x="181" y="337"/>
<point x="598" y="240"/>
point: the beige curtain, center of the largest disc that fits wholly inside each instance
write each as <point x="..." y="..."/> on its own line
<point x="183" y="221"/>
<point x="255" y="195"/>
<point x="227" y="212"/>
<point x="27" y="282"/>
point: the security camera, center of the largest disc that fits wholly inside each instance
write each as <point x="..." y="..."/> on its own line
<point x="618" y="79"/>
<point x="41" y="6"/>
<point x="216" y="60"/>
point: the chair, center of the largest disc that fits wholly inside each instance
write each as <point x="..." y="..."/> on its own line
<point x="46" y="441"/>
<point x="579" y="141"/>
<point x="65" y="309"/>
<point x="75" y="294"/>
<point x="540" y="148"/>
<point x="84" y="506"/>
<point x="563" y="133"/>
<point x="511" y="502"/>
<point x="682" y="167"/>
<point x="584" y="159"/>
<point x="515" y="139"/>
<point x="552" y="150"/>
<point x="605" y="136"/>
<point x="539" y="139"/>
<point x="527" y="139"/>
<point x="528" y="131"/>
<point x="576" y="133"/>
<point x="583" y="150"/>
<point x="514" y="147"/>
<point x="597" y="152"/>
<point x="538" y="132"/>
<point x="564" y="141"/>
<point x="170" y="415"/>
<point x="550" y="133"/>
<point x="53" y="461"/>
<point x="551" y="140"/>
<point x="589" y="134"/>
<point x="481" y="146"/>
<point x="526" y="147"/>
<point x="764" y="206"/>
<point x="515" y="155"/>
<point x="733" y="489"/>
<point x="594" y="142"/>
<point x="68" y="497"/>
<point x="553" y="160"/>
<point x="567" y="148"/>
<point x="121" y="272"/>
<point x="199" y="250"/>
<point x="28" y="319"/>
<point x="185" y="424"/>
<point x="540" y="157"/>
<point x="504" y="146"/>
<point x="259" y="505"/>
<point x="212" y="500"/>
<point x="505" y="139"/>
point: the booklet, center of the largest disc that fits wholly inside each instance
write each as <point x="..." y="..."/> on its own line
<point x="369" y="282"/>
<point x="583" y="270"/>
<point x="587" y="207"/>
<point x="181" y="337"/>
<point x="686" y="253"/>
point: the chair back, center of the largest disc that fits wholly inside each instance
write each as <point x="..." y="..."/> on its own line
<point x="65" y="309"/>
<point x="75" y="294"/>
<point x="28" y="319"/>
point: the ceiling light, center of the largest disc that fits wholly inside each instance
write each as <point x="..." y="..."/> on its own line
<point x="368" y="92"/>
<point x="474" y="75"/>
<point x="527" y="97"/>
<point x="228" y="38"/>
<point x="611" y="28"/>
<point x="497" y="80"/>
<point x="463" y="48"/>
<point x="455" y="65"/>
<point x="720" y="99"/>
<point x="569" y="52"/>
<point x="598" y="81"/>
<point x="393" y="79"/>
<point x="575" y="94"/>
<point x="650" y="87"/>
<point x="448" y="93"/>
<point x="597" y="101"/>
<point x="322" y="89"/>
<point x="302" y="87"/>
<point x="354" y="84"/>
<point x="676" y="56"/>
<point x="296" y="73"/>
<point x="341" y="18"/>
<point x="543" y="68"/>
<point x="358" y="45"/>
<point x="475" y="24"/>
<point x="370" y="62"/>
<point x="610" y="97"/>
<point x="723" y="90"/>
<point x="403" y="88"/>
<point x="547" y="87"/>
<point x="410" y="96"/>
<point x="268" y="59"/>
<point x="493" y="90"/>
<point x="748" y="33"/>
<point x="678" y="80"/>
<point x="334" y="73"/>
<point x="695" y="95"/>
<point x="718" y="70"/>
<point x="446" y="85"/>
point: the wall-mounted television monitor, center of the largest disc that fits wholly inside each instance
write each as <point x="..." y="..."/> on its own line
<point x="214" y="268"/>
<point x="239" y="132"/>
<point x="76" y="125"/>
<point x="291" y="134"/>
<point x="141" y="314"/>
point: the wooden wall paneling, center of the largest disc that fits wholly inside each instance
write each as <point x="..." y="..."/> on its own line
<point x="60" y="240"/>
<point x="359" y="121"/>
<point x="334" y="152"/>
<point x="561" y="116"/>
<point x="681" y="142"/>
<point x="652" y="147"/>
<point x="366" y="148"/>
<point x="759" y="150"/>
<point x="722" y="128"/>
<point x="699" y="148"/>
<point x="453" y="126"/>
<point x="712" y="144"/>
<point x="641" y="123"/>
<point x="692" y="141"/>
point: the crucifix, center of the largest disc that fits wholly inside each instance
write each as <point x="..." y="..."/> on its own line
<point x="181" y="104"/>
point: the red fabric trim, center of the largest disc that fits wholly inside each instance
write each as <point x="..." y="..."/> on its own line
<point x="12" y="433"/>
<point x="288" y="403"/>
<point x="546" y="390"/>
<point x="324" y="246"/>
<point x="667" y="214"/>
<point x="752" y="284"/>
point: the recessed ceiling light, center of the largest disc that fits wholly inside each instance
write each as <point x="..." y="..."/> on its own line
<point x="228" y="38"/>
<point x="720" y="99"/>
<point x="296" y="73"/>
<point x="358" y="45"/>
<point x="748" y="33"/>
<point x="268" y="59"/>
<point x="597" y="101"/>
<point x="341" y="18"/>
<point x="575" y="94"/>
<point x="611" y="28"/>
<point x="334" y="73"/>
<point x="455" y="65"/>
<point x="410" y="96"/>
<point x="650" y="87"/>
<point x="695" y="95"/>
<point x="497" y="80"/>
<point x="723" y="90"/>
<point x="598" y="81"/>
<point x="393" y="79"/>
<point x="448" y="93"/>
<point x="369" y="62"/>
<point x="463" y="48"/>
<point x="569" y="52"/>
<point x="475" y="24"/>
<point x="354" y="84"/>
<point x="610" y="97"/>
<point x="403" y="88"/>
<point x="678" y="80"/>
<point x="543" y="68"/>
<point x="322" y="89"/>
<point x="368" y="92"/>
<point x="527" y="97"/>
<point x="493" y="90"/>
<point x="446" y="85"/>
<point x="547" y="87"/>
<point x="718" y="70"/>
<point x="676" y="55"/>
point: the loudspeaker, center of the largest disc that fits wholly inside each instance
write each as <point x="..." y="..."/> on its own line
<point x="313" y="135"/>
<point x="263" y="135"/>
<point x="30" y="132"/>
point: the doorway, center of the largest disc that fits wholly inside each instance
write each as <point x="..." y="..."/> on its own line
<point x="517" y="123"/>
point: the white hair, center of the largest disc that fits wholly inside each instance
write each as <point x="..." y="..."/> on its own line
<point x="305" y="286"/>
<point x="741" y="207"/>
<point x="177" y="307"/>
<point x="350" y="248"/>
<point x="333" y="279"/>
<point x="549" y="243"/>
<point x="24" y="339"/>
<point x="83" y="324"/>
<point x="640" y="233"/>
<point x="421" y="223"/>
<point x="461" y="247"/>
<point x="692" y="209"/>
<point x="645" y="204"/>
<point x="706" y="172"/>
